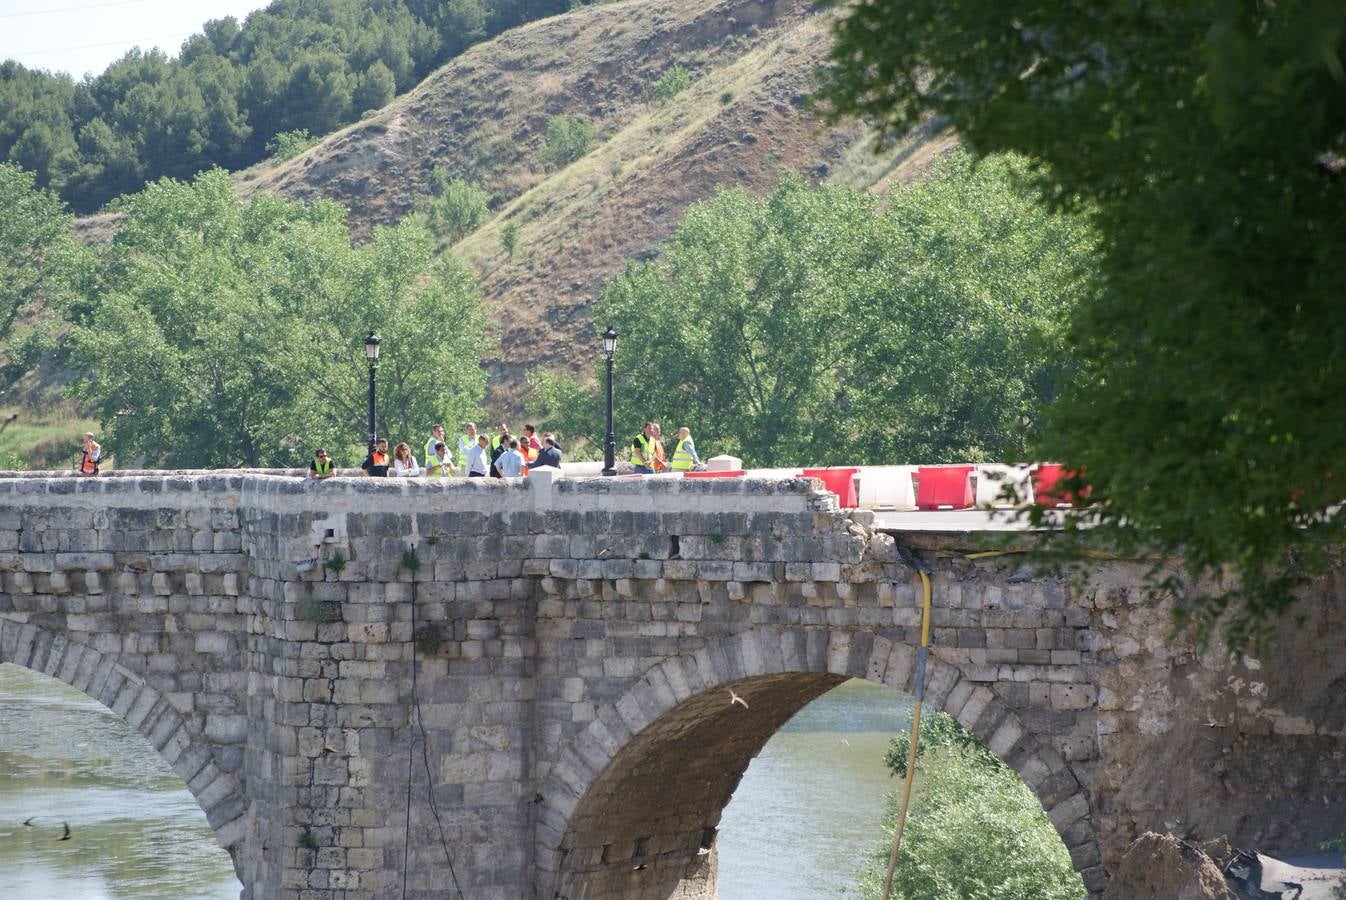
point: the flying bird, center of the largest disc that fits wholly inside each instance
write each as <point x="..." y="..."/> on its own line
<point x="735" y="698"/>
<point x="65" y="836"/>
<point x="28" y="822"/>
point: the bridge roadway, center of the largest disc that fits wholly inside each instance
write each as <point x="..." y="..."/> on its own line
<point x="555" y="656"/>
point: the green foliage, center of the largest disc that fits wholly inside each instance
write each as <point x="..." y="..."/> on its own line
<point x="812" y="327"/>
<point x="939" y="732"/>
<point x="297" y="64"/>
<point x="289" y="144"/>
<point x="569" y="410"/>
<point x="1206" y="141"/>
<point x="336" y="563"/>
<point x="44" y="438"/>
<point x="509" y="237"/>
<point x="568" y="138"/>
<point x="307" y="841"/>
<point x="726" y="98"/>
<point x="974" y="832"/>
<point x="376" y="88"/>
<point x="456" y="208"/>
<point x="42" y="268"/>
<point x="229" y="333"/>
<point x="672" y="83"/>
<point x="410" y="561"/>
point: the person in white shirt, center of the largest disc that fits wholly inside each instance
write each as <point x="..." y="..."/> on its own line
<point x="404" y="464"/>
<point x="510" y="463"/>
<point x="479" y="457"/>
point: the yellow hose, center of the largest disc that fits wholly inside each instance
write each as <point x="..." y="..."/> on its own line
<point x="915" y="736"/>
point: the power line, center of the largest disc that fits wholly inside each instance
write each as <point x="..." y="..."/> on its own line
<point x="66" y="9"/>
<point x="122" y="43"/>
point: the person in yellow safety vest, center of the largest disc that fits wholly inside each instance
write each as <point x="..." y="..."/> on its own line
<point x="684" y="452"/>
<point x="321" y="465"/>
<point x="502" y="433"/>
<point x="439" y="464"/>
<point x="466" y="441"/>
<point x="436" y="437"/>
<point x="642" y="450"/>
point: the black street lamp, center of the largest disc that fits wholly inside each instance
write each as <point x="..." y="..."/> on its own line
<point x="610" y="448"/>
<point x="372" y="354"/>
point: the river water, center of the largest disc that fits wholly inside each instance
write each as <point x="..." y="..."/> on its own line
<point x="798" y="828"/>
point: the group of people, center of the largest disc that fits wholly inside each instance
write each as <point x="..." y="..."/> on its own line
<point x="478" y="455"/>
<point x="648" y="456"/>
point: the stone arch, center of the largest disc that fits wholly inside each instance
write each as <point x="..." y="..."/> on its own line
<point x="611" y="780"/>
<point x="149" y="712"/>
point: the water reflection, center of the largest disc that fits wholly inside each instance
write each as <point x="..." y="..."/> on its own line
<point x="809" y="808"/>
<point x="135" y="830"/>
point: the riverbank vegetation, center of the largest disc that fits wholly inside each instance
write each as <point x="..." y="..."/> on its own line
<point x="975" y="831"/>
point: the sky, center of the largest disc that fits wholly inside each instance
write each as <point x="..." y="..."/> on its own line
<point x="86" y="36"/>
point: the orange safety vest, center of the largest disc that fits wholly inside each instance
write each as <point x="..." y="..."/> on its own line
<point x="88" y="465"/>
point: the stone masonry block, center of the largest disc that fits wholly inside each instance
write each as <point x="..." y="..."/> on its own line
<point x="1068" y="811"/>
<point x="1073" y="696"/>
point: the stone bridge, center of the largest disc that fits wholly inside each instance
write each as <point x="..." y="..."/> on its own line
<point x="548" y="663"/>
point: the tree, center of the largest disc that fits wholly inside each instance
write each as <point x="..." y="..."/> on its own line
<point x="975" y="832"/>
<point x="672" y="83"/>
<point x="456" y="208"/>
<point x="41" y="266"/>
<point x="376" y="89"/>
<point x="318" y="96"/>
<point x="568" y="138"/>
<point x="228" y="333"/>
<point x="509" y="237"/>
<point x="810" y="327"/>
<point x="294" y="65"/>
<point x="1206" y="141"/>
<point x="289" y="144"/>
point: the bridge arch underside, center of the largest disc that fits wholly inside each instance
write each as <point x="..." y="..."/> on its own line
<point x="634" y="813"/>
<point x="103" y="677"/>
<point x="646" y="827"/>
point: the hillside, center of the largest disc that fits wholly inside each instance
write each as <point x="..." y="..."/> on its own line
<point x="742" y="120"/>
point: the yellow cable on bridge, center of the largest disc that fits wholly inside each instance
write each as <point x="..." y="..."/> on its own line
<point x="915" y="736"/>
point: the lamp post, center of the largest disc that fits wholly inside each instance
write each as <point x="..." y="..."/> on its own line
<point x="610" y="447"/>
<point x="372" y="354"/>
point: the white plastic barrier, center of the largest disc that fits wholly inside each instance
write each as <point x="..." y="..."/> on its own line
<point x="724" y="463"/>
<point x="886" y="487"/>
<point x="994" y="478"/>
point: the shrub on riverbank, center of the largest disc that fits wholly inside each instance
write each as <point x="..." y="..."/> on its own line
<point x="974" y="831"/>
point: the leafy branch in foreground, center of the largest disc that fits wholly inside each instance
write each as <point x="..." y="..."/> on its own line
<point x="1206" y="143"/>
